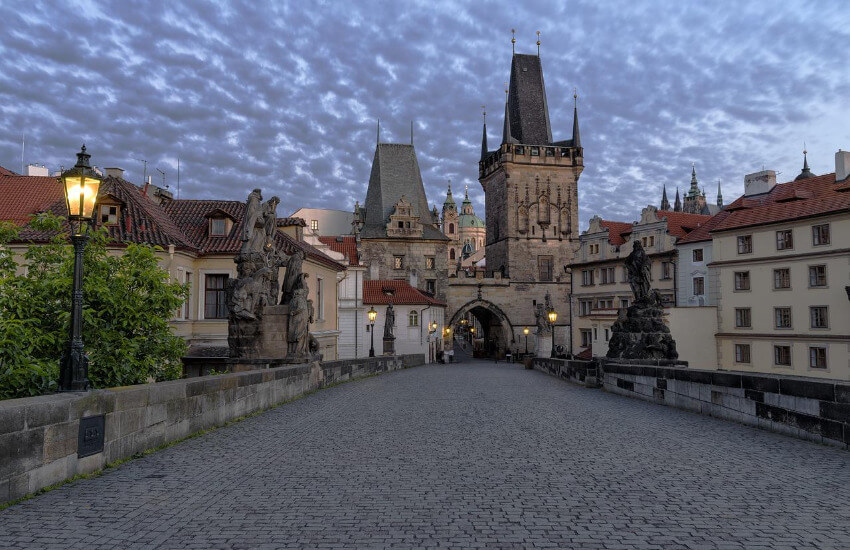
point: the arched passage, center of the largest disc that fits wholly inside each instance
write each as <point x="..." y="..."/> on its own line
<point x="498" y="332"/>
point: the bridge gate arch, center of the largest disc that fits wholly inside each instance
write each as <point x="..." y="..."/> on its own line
<point x="498" y="329"/>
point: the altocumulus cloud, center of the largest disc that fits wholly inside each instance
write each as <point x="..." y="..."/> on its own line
<point x="285" y="95"/>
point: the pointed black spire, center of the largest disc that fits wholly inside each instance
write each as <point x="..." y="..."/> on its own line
<point x="506" y="130"/>
<point x="678" y="204"/>
<point x="576" y="136"/>
<point x="665" y="204"/>
<point x="719" y="196"/>
<point x="484" y="135"/>
<point x="805" y="173"/>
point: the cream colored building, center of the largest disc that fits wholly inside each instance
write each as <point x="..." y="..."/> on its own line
<point x="783" y="265"/>
<point x="600" y="283"/>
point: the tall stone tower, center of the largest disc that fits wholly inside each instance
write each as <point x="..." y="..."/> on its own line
<point x="530" y="183"/>
<point x="450" y="225"/>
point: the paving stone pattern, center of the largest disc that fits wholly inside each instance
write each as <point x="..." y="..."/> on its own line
<point x="464" y="455"/>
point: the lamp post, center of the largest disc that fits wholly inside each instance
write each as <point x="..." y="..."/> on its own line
<point x="553" y="316"/>
<point x="372" y="316"/>
<point x="80" y="185"/>
<point x="525" y="331"/>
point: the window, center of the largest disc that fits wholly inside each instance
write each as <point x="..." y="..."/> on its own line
<point x="429" y="262"/>
<point x="820" y="234"/>
<point x="643" y="241"/>
<point x="314" y="225"/>
<point x="595" y="335"/>
<point x="605" y="303"/>
<point x="624" y="303"/>
<point x="544" y="267"/>
<point x="817" y="275"/>
<point x="698" y="255"/>
<point x="819" y="316"/>
<point x="186" y="304"/>
<point x="781" y="278"/>
<point x="666" y="270"/>
<point x="431" y="286"/>
<point x="108" y="214"/>
<point x="584" y="307"/>
<point x="817" y="357"/>
<point x="608" y="275"/>
<point x="742" y="353"/>
<point x="782" y="356"/>
<point x="745" y="244"/>
<point x="215" y="299"/>
<point x="782" y="317"/>
<point x="742" y="317"/>
<point x="699" y="286"/>
<point x="451" y="229"/>
<point x="652" y="240"/>
<point x="742" y="280"/>
<point x="218" y="227"/>
<point x="586" y="277"/>
<point x="413" y="318"/>
<point x="784" y="240"/>
<point x="535" y="151"/>
<point x="606" y="334"/>
<point x="585" y="338"/>
<point x="398" y="262"/>
<point x="320" y="299"/>
<point x="451" y="253"/>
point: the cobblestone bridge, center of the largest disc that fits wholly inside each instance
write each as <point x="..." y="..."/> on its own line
<point x="465" y="455"/>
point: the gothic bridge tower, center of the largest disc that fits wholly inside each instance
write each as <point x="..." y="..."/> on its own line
<point x="530" y="183"/>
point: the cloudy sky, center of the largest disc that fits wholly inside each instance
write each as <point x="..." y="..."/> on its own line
<point x="285" y="95"/>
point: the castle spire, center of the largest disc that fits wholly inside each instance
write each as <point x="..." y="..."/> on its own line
<point x="538" y="43"/>
<point x="665" y="204"/>
<point x="678" y="204"/>
<point x="506" y="130"/>
<point x="805" y="173"/>
<point x="513" y="41"/>
<point x="719" y="195"/>
<point x="484" y="134"/>
<point x="576" y="136"/>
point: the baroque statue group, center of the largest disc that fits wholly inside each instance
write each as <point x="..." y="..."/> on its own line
<point x="267" y="319"/>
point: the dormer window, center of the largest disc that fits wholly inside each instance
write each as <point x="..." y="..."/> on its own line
<point x="108" y="214"/>
<point x="218" y="227"/>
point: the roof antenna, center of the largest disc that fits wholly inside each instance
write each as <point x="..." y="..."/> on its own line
<point x="538" y="43"/>
<point x="163" y="178"/>
<point x="145" y="173"/>
<point x="513" y="41"/>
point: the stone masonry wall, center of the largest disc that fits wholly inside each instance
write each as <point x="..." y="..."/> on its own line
<point x="39" y="436"/>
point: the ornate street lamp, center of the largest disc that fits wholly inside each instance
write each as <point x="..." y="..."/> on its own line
<point x="372" y="316"/>
<point x="553" y="316"/>
<point x="525" y="331"/>
<point x="81" y="185"/>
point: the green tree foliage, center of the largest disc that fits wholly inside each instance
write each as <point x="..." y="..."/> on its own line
<point x="127" y="303"/>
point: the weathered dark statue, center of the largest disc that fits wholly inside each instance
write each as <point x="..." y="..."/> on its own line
<point x="389" y="324"/>
<point x="541" y="320"/>
<point x="640" y="332"/>
<point x="292" y="275"/>
<point x="300" y="317"/>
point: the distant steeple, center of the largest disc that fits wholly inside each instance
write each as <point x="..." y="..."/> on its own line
<point x="665" y="204"/>
<point x="719" y="196"/>
<point x="484" y="134"/>
<point x="678" y="204"/>
<point x="576" y="136"/>
<point x="694" y="190"/>
<point x="805" y="173"/>
<point x="449" y="203"/>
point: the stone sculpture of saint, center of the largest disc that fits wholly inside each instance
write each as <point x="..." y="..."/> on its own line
<point x="253" y="215"/>
<point x="270" y="223"/>
<point x="638" y="269"/>
<point x="541" y="319"/>
<point x="390" y="323"/>
<point x="292" y="275"/>
<point x="298" y="325"/>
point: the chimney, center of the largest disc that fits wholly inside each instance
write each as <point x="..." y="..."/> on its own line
<point x="115" y="172"/>
<point x="842" y="165"/>
<point x="40" y="170"/>
<point x="759" y="183"/>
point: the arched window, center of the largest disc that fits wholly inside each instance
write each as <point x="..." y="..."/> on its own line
<point x="451" y="253"/>
<point x="451" y="229"/>
<point x="413" y="318"/>
<point x="480" y="243"/>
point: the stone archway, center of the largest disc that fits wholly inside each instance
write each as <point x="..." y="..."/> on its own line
<point x="498" y="330"/>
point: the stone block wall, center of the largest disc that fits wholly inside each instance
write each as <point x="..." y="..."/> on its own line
<point x="586" y="373"/>
<point x="40" y="436"/>
<point x="817" y="410"/>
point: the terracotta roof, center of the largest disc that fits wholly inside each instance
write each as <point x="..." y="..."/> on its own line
<point x="27" y="195"/>
<point x="702" y="232"/>
<point x="816" y="196"/>
<point x="378" y="293"/>
<point x="343" y="245"/>
<point x="616" y="230"/>
<point x="679" y="224"/>
<point x="5" y="172"/>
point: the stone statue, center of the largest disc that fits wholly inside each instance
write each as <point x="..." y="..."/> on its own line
<point x="541" y="319"/>
<point x="389" y="324"/>
<point x="297" y="330"/>
<point x="253" y="218"/>
<point x="292" y="275"/>
<point x="638" y="267"/>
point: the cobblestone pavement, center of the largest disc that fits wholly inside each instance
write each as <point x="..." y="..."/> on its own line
<point x="464" y="455"/>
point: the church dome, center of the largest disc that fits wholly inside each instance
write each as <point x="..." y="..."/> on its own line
<point x="470" y="221"/>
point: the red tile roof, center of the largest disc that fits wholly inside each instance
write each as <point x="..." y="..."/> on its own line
<point x="343" y="245"/>
<point x="793" y="200"/>
<point x="702" y="233"/>
<point x="680" y="224"/>
<point x="5" y="172"/>
<point x="23" y="196"/>
<point x="616" y="231"/>
<point x="378" y="293"/>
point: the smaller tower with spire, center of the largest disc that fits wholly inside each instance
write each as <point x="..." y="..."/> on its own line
<point x="665" y="204"/>
<point x="805" y="173"/>
<point x="677" y="206"/>
<point x="719" y="196"/>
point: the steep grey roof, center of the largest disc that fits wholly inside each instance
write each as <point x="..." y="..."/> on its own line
<point x="528" y="110"/>
<point x="395" y="173"/>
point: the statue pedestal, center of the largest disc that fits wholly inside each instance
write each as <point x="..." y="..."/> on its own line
<point x="273" y="331"/>
<point x="389" y="346"/>
<point x="642" y="334"/>
<point x="544" y="345"/>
